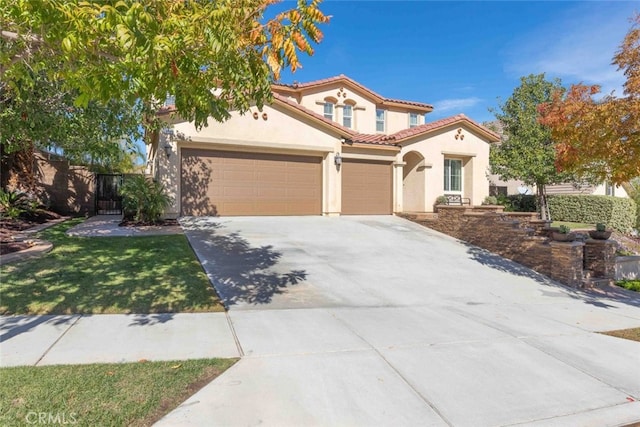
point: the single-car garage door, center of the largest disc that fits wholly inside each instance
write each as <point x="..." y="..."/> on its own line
<point x="366" y="187"/>
<point x="236" y="183"/>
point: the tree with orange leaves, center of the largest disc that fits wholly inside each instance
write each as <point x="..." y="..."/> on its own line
<point x="600" y="137"/>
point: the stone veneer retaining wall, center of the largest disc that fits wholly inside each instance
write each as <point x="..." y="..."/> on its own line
<point x="523" y="238"/>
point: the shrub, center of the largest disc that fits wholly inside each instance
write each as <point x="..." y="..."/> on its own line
<point x="563" y="229"/>
<point x="518" y="203"/>
<point x="601" y="227"/>
<point x="490" y="200"/>
<point x="143" y="199"/>
<point x="13" y="203"/>
<point x="442" y="200"/>
<point x="619" y="213"/>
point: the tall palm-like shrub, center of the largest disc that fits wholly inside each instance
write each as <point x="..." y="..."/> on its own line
<point x="144" y="198"/>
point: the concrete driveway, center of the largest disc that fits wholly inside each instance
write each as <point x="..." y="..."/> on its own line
<point x="378" y="321"/>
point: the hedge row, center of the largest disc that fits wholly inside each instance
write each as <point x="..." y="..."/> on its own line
<point x="518" y="203"/>
<point x="616" y="212"/>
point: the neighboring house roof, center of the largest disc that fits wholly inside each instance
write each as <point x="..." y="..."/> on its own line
<point x="379" y="99"/>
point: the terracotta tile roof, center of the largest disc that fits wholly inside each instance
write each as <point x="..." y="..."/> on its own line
<point x="342" y="78"/>
<point x="377" y="139"/>
<point x="439" y="124"/>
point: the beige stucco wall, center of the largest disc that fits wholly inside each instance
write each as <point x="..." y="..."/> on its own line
<point x="474" y="152"/>
<point x="601" y="190"/>
<point x="289" y="132"/>
<point x="398" y="120"/>
<point x="364" y="111"/>
<point x="279" y="133"/>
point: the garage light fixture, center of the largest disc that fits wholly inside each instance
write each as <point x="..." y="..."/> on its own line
<point x="167" y="150"/>
<point x="337" y="159"/>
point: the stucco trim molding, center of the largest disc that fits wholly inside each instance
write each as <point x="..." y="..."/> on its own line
<point x="458" y="154"/>
<point x="368" y="157"/>
<point x="206" y="142"/>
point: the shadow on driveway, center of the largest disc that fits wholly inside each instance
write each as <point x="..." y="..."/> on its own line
<point x="593" y="297"/>
<point x="239" y="272"/>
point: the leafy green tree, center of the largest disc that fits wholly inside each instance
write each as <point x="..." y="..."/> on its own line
<point x="141" y="52"/>
<point x="80" y="75"/>
<point x="38" y="112"/>
<point x="527" y="152"/>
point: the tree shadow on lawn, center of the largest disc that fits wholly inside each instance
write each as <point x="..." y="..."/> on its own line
<point x="240" y="273"/>
<point x="154" y="274"/>
<point x="592" y="297"/>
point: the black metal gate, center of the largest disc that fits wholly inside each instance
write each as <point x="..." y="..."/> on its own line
<point x="108" y="198"/>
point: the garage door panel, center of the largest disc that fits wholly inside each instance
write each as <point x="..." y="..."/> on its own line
<point x="238" y="183"/>
<point x="366" y="187"/>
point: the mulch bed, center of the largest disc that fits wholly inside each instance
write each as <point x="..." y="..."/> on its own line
<point x="9" y="228"/>
<point x="161" y="223"/>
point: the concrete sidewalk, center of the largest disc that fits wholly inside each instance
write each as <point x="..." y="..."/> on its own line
<point x="108" y="226"/>
<point x="114" y="338"/>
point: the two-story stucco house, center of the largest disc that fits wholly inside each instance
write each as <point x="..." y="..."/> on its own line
<point x="328" y="147"/>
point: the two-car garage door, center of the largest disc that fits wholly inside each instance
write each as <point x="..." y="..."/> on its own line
<point x="237" y="183"/>
<point x="241" y="183"/>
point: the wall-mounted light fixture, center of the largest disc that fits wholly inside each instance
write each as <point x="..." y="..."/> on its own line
<point x="169" y="134"/>
<point x="337" y="159"/>
<point x="167" y="150"/>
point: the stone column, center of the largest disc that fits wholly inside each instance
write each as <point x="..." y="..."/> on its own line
<point x="567" y="263"/>
<point x="600" y="258"/>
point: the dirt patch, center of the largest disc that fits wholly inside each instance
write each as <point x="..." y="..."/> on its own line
<point x="10" y="229"/>
<point x="627" y="244"/>
<point x="9" y="247"/>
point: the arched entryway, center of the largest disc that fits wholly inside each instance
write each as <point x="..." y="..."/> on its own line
<point x="413" y="182"/>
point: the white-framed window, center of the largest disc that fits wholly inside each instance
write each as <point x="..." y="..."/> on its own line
<point x="328" y="110"/>
<point x="379" y="120"/>
<point x="413" y="120"/>
<point x="347" y="116"/>
<point x="609" y="189"/>
<point x="453" y="175"/>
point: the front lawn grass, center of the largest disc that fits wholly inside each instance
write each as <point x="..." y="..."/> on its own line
<point x="149" y="274"/>
<point x="131" y="394"/>
<point x="574" y="225"/>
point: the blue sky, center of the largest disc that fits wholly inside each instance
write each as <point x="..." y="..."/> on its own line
<point x="462" y="56"/>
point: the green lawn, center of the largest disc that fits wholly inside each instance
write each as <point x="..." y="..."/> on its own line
<point x="151" y="274"/>
<point x="131" y="394"/>
<point x="574" y="225"/>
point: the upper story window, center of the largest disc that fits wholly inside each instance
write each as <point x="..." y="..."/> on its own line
<point x="347" y="116"/>
<point x="413" y="120"/>
<point x="379" y="120"/>
<point x="328" y="110"/>
<point x="609" y="189"/>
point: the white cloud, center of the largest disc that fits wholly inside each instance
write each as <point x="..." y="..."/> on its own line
<point x="577" y="46"/>
<point x="455" y="104"/>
